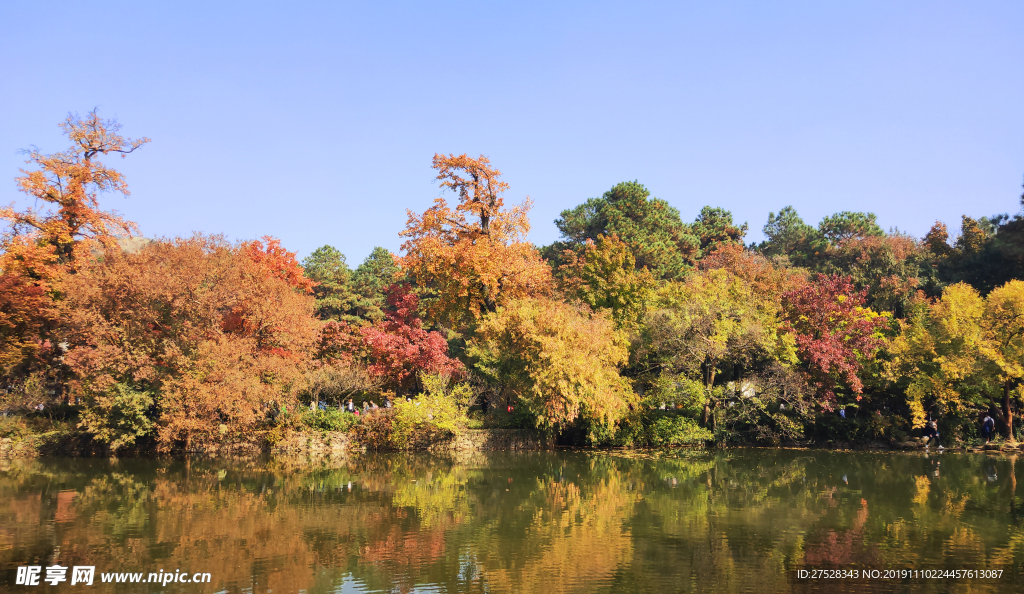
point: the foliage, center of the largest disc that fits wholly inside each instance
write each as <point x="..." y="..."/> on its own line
<point x="400" y="349"/>
<point x="438" y="414"/>
<point x="326" y="267"/>
<point x="371" y="281"/>
<point x="890" y="267"/>
<point x="41" y="243"/>
<point x="473" y="258"/>
<point x="937" y="358"/>
<point x="557" y="361"/>
<point x="335" y="381"/>
<point x="330" y="419"/>
<point x="604" y="276"/>
<point x="119" y="416"/>
<point x="675" y="429"/>
<point x="355" y="297"/>
<point x="70" y="183"/>
<point x="217" y="336"/>
<point x="849" y="225"/>
<point x="714" y="227"/>
<point x="711" y="321"/>
<point x="28" y="314"/>
<point x="1003" y="346"/>
<point x="278" y="262"/>
<point x="788" y="235"/>
<point x="652" y="229"/>
<point x="835" y="333"/>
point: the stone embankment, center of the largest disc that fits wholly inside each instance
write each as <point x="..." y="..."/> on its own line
<point x="476" y="440"/>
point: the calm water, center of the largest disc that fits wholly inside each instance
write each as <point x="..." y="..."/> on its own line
<point x="733" y="521"/>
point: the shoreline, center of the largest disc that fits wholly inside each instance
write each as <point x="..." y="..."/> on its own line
<point x="318" y="444"/>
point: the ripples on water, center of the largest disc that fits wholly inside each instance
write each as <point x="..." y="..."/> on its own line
<point x="733" y="521"/>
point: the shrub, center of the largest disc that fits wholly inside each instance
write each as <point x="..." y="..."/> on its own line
<point x="328" y="420"/>
<point x="119" y="416"/>
<point x="675" y="429"/>
<point x="439" y="414"/>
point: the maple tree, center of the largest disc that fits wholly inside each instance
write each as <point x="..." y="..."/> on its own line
<point x="559" y="362"/>
<point x="835" y="333"/>
<point x="399" y="349"/>
<point x="471" y="258"/>
<point x="278" y="262"/>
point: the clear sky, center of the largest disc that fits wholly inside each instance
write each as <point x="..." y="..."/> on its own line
<point x="316" y="122"/>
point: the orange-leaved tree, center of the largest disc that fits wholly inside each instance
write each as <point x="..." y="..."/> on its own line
<point x="192" y="340"/>
<point x="471" y="258"/>
<point x="39" y="243"/>
<point x="68" y="185"/>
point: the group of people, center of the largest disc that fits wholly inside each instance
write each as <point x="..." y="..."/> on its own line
<point x="931" y="431"/>
<point x="350" y="406"/>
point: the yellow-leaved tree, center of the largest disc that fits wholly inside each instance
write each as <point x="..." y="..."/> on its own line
<point x="1003" y="330"/>
<point x="939" y="354"/>
<point x="560" y="362"/>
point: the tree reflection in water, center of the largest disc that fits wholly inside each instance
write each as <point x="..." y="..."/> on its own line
<point x="739" y="520"/>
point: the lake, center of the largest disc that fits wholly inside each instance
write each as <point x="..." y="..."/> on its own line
<point x="744" y="520"/>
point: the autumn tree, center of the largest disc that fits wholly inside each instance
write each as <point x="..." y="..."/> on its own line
<point x="937" y="360"/>
<point x="604" y="276"/>
<point x="67" y="185"/>
<point x="835" y="333"/>
<point x="472" y="258"/>
<point x="1003" y="330"/>
<point x="765" y="278"/>
<point x="711" y="321"/>
<point x="557" y="361"/>
<point x="400" y="349"/>
<point x="28" y="314"/>
<point x="40" y="242"/>
<point x="890" y="267"/>
<point x="192" y="340"/>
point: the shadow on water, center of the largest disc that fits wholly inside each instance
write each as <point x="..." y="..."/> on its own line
<point x="724" y="521"/>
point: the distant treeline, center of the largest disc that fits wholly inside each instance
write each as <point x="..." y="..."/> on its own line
<point x="635" y="328"/>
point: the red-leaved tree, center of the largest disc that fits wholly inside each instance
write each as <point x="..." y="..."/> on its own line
<point x="399" y="348"/>
<point x="834" y="332"/>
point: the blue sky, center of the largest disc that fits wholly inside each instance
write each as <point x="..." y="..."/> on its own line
<point x="316" y="122"/>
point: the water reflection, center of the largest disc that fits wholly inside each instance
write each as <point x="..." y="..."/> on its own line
<point x="734" y="521"/>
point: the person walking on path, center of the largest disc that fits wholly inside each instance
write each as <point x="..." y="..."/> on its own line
<point x="988" y="424"/>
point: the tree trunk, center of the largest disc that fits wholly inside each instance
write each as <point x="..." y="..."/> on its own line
<point x="1007" y="413"/>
